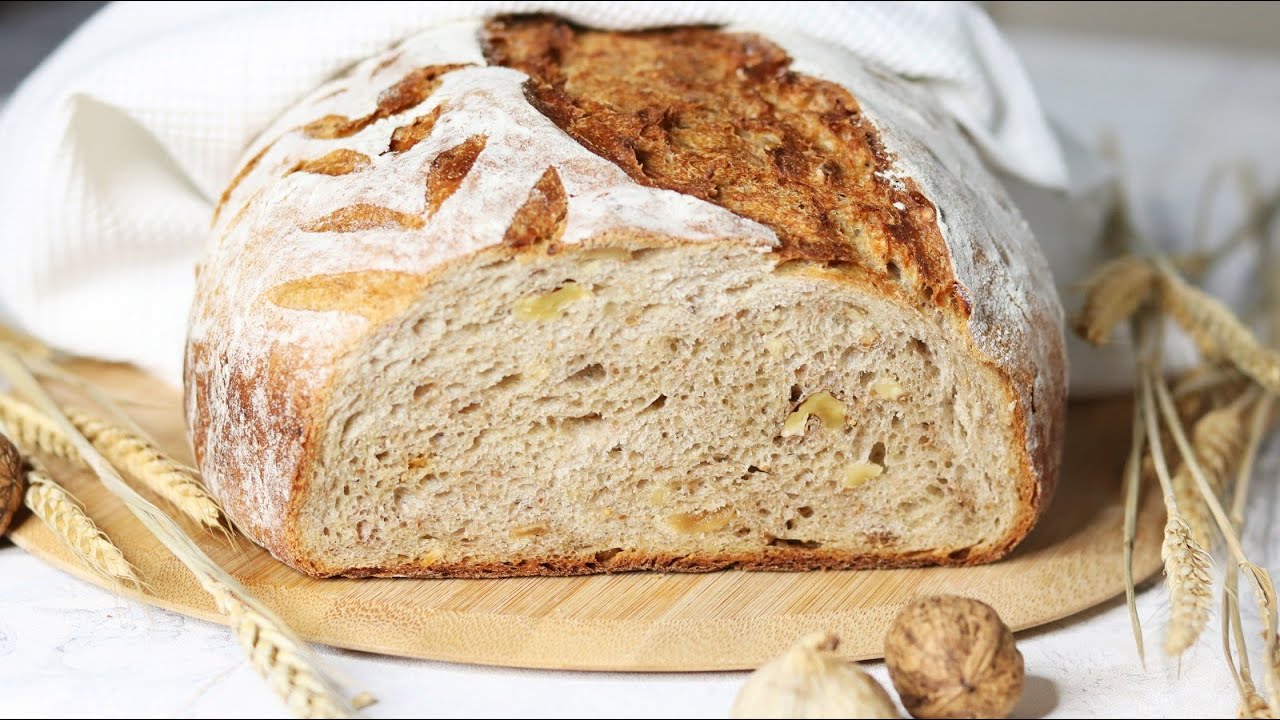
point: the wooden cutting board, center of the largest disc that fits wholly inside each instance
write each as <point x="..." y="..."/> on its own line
<point x="638" y="621"/>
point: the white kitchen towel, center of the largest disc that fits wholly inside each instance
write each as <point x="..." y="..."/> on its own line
<point x="113" y="151"/>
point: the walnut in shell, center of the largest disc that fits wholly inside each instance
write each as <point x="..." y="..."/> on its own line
<point x="10" y="482"/>
<point x="953" y="657"/>
<point x="811" y="681"/>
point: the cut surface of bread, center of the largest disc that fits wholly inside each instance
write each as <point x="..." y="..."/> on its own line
<point x="526" y="298"/>
<point x="634" y="406"/>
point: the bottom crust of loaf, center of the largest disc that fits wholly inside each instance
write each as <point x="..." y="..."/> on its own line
<point x="773" y="559"/>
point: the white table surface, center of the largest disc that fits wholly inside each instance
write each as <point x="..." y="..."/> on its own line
<point x="68" y="648"/>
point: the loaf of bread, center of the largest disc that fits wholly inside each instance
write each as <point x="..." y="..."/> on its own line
<point x="525" y="298"/>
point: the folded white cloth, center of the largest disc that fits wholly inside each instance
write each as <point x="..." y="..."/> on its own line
<point x="113" y="151"/>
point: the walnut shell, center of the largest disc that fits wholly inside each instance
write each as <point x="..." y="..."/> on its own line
<point x="10" y="482"/>
<point x="811" y="681"/>
<point x="953" y="657"/>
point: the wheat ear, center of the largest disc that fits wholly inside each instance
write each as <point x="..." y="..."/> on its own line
<point x="1186" y="565"/>
<point x="1218" y="439"/>
<point x="1217" y="332"/>
<point x="1263" y="588"/>
<point x="165" y="476"/>
<point x="308" y="690"/>
<point x="35" y="432"/>
<point x="1113" y="293"/>
<point x="58" y="509"/>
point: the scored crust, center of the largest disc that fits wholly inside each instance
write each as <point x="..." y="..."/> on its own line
<point x="344" y="214"/>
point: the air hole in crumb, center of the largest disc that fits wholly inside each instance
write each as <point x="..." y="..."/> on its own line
<point x="789" y="542"/>
<point x="796" y="392"/>
<point x="805" y="511"/>
<point x="605" y="556"/>
<point x="920" y="348"/>
<point x="790" y="524"/>
<point x="877" y="453"/>
<point x="507" y="381"/>
<point x="469" y="407"/>
<point x="754" y="469"/>
<point x="894" y="271"/>
<point x="382" y="456"/>
<point x="594" y="371"/>
<point x="742" y="532"/>
<point x="656" y="404"/>
<point x="421" y="391"/>
<point x="350" y="424"/>
<point x="580" y="421"/>
<point x="961" y="554"/>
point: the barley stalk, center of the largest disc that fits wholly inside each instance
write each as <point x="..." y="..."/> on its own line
<point x="303" y="684"/>
<point x="165" y="476"/>
<point x="35" y="432"/>
<point x="1113" y="293"/>
<point x="65" y="517"/>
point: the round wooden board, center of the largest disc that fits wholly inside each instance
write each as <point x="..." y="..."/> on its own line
<point x="639" y="621"/>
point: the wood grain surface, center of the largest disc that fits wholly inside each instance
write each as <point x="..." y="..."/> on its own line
<point x="637" y="621"/>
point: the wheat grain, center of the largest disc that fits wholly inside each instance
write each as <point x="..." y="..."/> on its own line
<point x="33" y="431"/>
<point x="1186" y="567"/>
<point x="64" y="516"/>
<point x="278" y="658"/>
<point x="1216" y="330"/>
<point x="1218" y="439"/>
<point x="168" y="478"/>
<point x="1112" y="294"/>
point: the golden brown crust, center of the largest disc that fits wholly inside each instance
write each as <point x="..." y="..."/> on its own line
<point x="540" y="220"/>
<point x="406" y="136"/>
<point x="338" y="162"/>
<point x="721" y="117"/>
<point x="10" y="482"/>
<point x="449" y="169"/>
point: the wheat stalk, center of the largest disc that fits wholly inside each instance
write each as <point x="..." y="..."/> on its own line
<point x="304" y="685"/>
<point x="1131" y="490"/>
<point x="165" y="476"/>
<point x="58" y="509"/>
<point x="35" y="432"/>
<point x="1263" y="588"/>
<point x="1186" y="564"/>
<point x="1113" y="293"/>
<point x="1218" y="439"/>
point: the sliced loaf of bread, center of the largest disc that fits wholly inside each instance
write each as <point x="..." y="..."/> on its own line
<point x="524" y="298"/>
